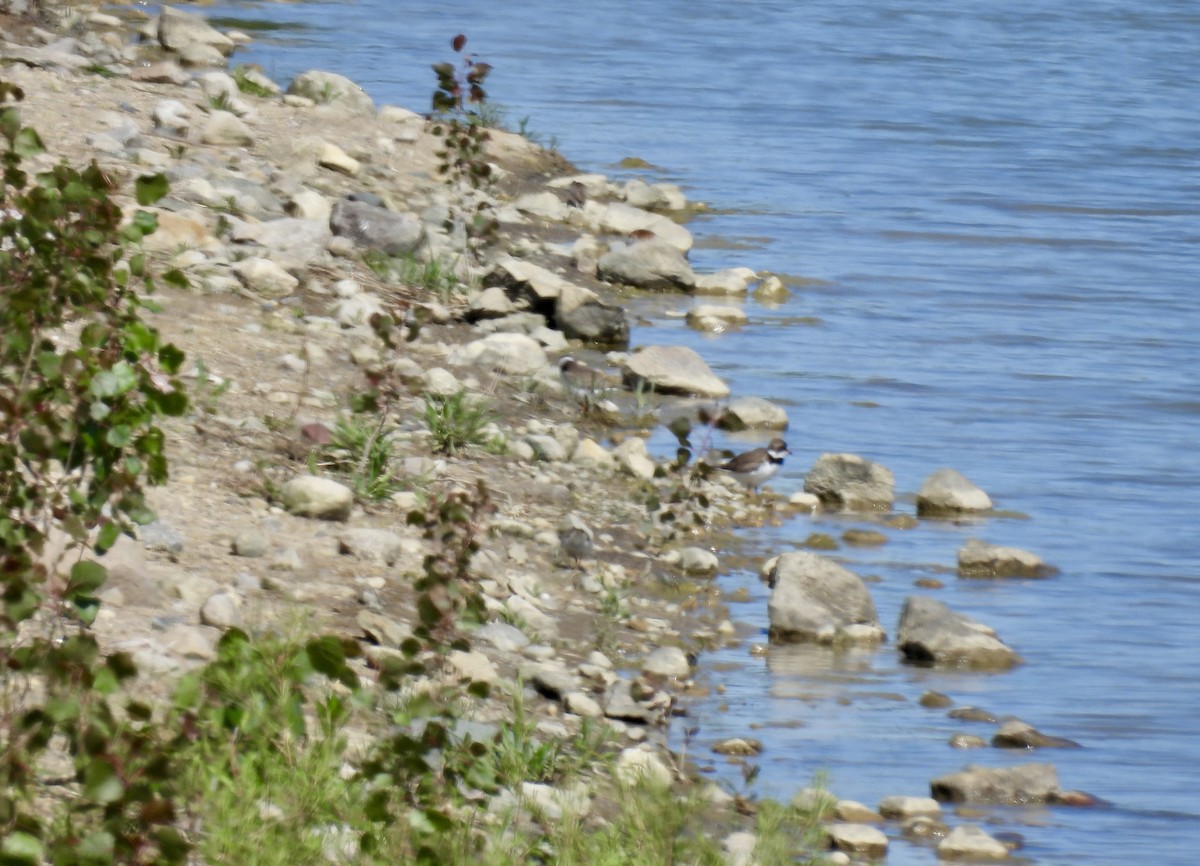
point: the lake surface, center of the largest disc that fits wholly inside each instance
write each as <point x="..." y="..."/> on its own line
<point x="995" y="210"/>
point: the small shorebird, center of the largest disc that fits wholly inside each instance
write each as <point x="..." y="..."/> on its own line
<point x="752" y="468"/>
<point x="584" y="383"/>
<point x="575" y="538"/>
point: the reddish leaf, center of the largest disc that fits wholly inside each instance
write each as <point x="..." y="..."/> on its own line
<point x="459" y="42"/>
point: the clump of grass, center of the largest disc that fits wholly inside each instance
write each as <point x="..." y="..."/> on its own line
<point x="436" y="277"/>
<point x="456" y="421"/>
<point x="246" y="84"/>
<point x="361" y="451"/>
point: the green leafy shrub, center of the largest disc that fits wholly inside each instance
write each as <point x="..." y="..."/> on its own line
<point x="83" y="383"/>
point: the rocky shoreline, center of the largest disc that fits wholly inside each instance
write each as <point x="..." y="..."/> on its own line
<point x="291" y="209"/>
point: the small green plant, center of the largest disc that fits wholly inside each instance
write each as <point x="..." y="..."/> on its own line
<point x="460" y="106"/>
<point x="99" y="69"/>
<point x="243" y="76"/>
<point x="220" y="102"/>
<point x="456" y="421"/>
<point x="435" y="277"/>
<point x="208" y="390"/>
<point x="329" y="94"/>
<point x="361" y="451"/>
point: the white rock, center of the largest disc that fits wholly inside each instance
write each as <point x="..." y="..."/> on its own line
<point x="334" y="158"/>
<point x="226" y="128"/>
<point x="698" y="561"/>
<point x="222" y="609"/>
<point x="265" y="278"/>
<point x="310" y="496"/>
<point x="509" y="353"/>
<point x="633" y="457"/>
<point x="731" y="281"/>
<point x="971" y="841"/>
<point x="861" y="839"/>
<point x="641" y="764"/>
<point x="667" y="661"/>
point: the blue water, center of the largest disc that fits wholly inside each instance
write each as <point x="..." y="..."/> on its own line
<point x="996" y="208"/>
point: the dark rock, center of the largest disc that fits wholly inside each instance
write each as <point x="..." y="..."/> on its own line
<point x="931" y="633"/>
<point x="376" y="228"/>
<point x="1016" y="786"/>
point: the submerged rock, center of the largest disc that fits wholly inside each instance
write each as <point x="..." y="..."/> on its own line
<point x="815" y="599"/>
<point x="979" y="559"/>
<point x="673" y="370"/>
<point x="1015" y="786"/>
<point x="930" y="632"/>
<point x="651" y="264"/>
<point x="851" y="482"/>
<point x="948" y="492"/>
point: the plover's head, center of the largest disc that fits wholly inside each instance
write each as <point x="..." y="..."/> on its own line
<point x="777" y="448"/>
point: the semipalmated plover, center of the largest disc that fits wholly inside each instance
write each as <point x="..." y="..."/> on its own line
<point x="752" y="468"/>
<point x="575" y="538"/>
<point x="584" y="383"/>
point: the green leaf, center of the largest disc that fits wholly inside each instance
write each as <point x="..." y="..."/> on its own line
<point x="327" y="655"/>
<point x="171" y="358"/>
<point x="151" y="187"/>
<point x="86" y="577"/>
<point x="27" y="143"/>
<point x="87" y="607"/>
<point x="175" y="277"/>
<point x="101" y="782"/>
<point x="113" y="382"/>
<point x="97" y="849"/>
<point x="119" y="435"/>
<point x="19" y="847"/>
<point x="146" y="222"/>
<point x="109" y="533"/>
<point x="173" y="404"/>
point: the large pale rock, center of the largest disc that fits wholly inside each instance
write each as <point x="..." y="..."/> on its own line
<point x="537" y="286"/>
<point x="652" y="264"/>
<point x="947" y="492"/>
<point x="376" y="228"/>
<point x="862" y="840"/>
<point x="899" y="807"/>
<point x="752" y="413"/>
<point x="851" y="482"/>
<point x="193" y="38"/>
<point x="371" y="545"/>
<point x="673" y="370"/>
<point x="545" y="205"/>
<point x="223" y="128"/>
<point x="622" y="219"/>
<point x="633" y="457"/>
<point x="509" y="353"/>
<point x="323" y="498"/>
<point x="979" y="559"/>
<point x="265" y="278"/>
<point x="815" y="599"/>
<point x="293" y="243"/>
<point x="667" y="661"/>
<point x="970" y="842"/>
<point x="931" y="633"/>
<point x="731" y="281"/>
<point x="581" y="315"/>
<point x="715" y="318"/>
<point x="1016" y="786"/>
<point x="329" y="88"/>
<point x="653" y="196"/>
<point x="641" y="765"/>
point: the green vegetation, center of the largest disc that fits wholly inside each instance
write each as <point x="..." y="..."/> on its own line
<point x="288" y="747"/>
<point x="246" y="84"/>
<point x="456" y="421"/>
<point x="435" y="277"/>
<point x="460" y="106"/>
<point x="80" y="439"/>
<point x="361" y="452"/>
